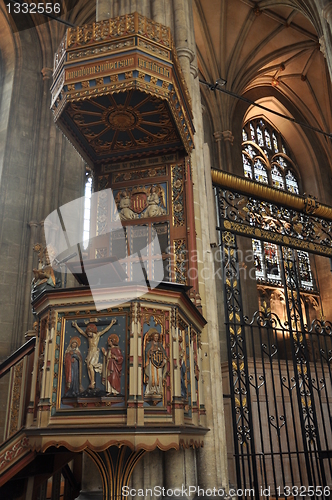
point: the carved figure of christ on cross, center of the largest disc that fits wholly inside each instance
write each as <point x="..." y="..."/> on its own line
<point x="92" y="360"/>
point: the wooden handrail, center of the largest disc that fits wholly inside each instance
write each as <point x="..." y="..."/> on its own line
<point x="16" y="356"/>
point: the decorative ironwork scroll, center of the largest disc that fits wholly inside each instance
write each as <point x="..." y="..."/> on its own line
<point x="302" y="369"/>
<point x="259" y="219"/>
<point x="280" y="371"/>
<point x="238" y="363"/>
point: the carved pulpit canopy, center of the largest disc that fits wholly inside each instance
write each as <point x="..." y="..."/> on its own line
<point x="118" y="91"/>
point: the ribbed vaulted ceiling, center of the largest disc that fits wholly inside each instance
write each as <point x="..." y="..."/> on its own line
<point x="265" y="43"/>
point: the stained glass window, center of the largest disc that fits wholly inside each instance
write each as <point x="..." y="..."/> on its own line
<point x="266" y="260"/>
<point x="252" y="132"/>
<point x="277" y="178"/>
<point x="260" y="137"/>
<point x="256" y="166"/>
<point x="275" y="143"/>
<point x="291" y="183"/>
<point x="281" y="160"/>
<point x="244" y="135"/>
<point x="305" y="274"/>
<point x="260" y="172"/>
<point x="247" y="166"/>
<point x="267" y="139"/>
<point x="258" y="260"/>
<point x="250" y="150"/>
<point x="272" y="262"/>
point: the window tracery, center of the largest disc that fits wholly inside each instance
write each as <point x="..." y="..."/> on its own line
<point x="87" y="209"/>
<point x="268" y="162"/>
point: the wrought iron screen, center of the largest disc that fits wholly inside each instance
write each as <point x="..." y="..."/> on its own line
<point x="280" y="370"/>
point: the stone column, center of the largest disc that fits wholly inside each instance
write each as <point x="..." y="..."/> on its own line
<point x="149" y="473"/>
<point x="186" y="57"/>
<point x="327" y="13"/>
<point x="91" y="478"/>
<point x="27" y="298"/>
<point x="181" y="36"/>
<point x="224" y="160"/>
<point x="228" y="140"/>
<point x="180" y="470"/>
<point x="104" y="10"/>
<point x="35" y="235"/>
<point x="157" y="10"/>
<point x="326" y="39"/>
<point x="153" y="471"/>
<point x="212" y="459"/>
<point x="218" y="137"/>
<point x="160" y="11"/>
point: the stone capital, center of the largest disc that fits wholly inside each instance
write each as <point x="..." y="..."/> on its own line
<point x="47" y="73"/>
<point x="327" y="13"/>
<point x="185" y="52"/>
<point x="33" y="223"/>
<point x="227" y="136"/>
<point x="217" y="136"/>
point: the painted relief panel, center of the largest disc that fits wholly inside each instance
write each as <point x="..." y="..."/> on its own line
<point x="156" y="208"/>
<point x="141" y="202"/>
<point x="155" y="359"/>
<point x="184" y="353"/>
<point x="196" y="343"/>
<point x="92" y="364"/>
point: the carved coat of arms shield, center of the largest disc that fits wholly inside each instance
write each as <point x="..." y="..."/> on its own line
<point x="157" y="357"/>
<point x="138" y="202"/>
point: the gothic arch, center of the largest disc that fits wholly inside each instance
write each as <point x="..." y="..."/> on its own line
<point x="310" y="151"/>
<point x="8" y="55"/>
<point x="268" y="52"/>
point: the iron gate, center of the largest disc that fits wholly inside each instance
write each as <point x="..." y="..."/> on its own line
<point x="280" y="372"/>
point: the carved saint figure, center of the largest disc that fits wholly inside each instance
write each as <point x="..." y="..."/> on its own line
<point x="155" y="365"/>
<point x="92" y="360"/>
<point x="154" y="209"/>
<point x="112" y="365"/>
<point x="45" y="272"/>
<point x="183" y="370"/>
<point x="73" y="368"/>
<point x="125" y="212"/>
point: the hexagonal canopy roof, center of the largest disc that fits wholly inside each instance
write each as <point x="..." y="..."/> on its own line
<point x="118" y="92"/>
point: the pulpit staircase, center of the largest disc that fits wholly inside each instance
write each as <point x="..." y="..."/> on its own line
<point x="55" y="474"/>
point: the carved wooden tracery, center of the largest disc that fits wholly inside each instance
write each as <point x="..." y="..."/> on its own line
<point x="148" y="201"/>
